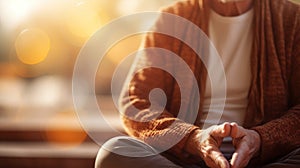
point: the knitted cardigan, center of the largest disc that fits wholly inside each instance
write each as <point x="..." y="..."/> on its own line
<point x="274" y="96"/>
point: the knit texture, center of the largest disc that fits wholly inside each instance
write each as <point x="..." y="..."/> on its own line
<point x="274" y="97"/>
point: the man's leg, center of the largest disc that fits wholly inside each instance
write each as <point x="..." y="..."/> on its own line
<point x="128" y="152"/>
<point x="292" y="160"/>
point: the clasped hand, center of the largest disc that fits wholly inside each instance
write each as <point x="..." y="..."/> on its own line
<point x="206" y="144"/>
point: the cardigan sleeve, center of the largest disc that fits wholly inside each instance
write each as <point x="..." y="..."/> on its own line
<point x="282" y="135"/>
<point x="152" y="120"/>
<point x="155" y="121"/>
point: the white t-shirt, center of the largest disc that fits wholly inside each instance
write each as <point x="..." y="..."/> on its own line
<point x="232" y="37"/>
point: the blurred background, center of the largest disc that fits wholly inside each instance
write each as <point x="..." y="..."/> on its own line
<point x="39" y="43"/>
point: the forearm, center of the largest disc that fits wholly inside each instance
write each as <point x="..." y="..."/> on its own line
<point x="279" y="136"/>
<point x="164" y="134"/>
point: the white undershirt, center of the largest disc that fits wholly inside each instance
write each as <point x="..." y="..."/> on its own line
<point x="232" y="37"/>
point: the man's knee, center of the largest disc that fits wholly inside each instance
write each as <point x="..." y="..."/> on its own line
<point x="121" y="151"/>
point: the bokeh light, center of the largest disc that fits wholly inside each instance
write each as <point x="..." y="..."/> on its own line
<point x="32" y="46"/>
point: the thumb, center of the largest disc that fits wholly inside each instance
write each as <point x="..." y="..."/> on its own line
<point x="236" y="131"/>
<point x="221" y="131"/>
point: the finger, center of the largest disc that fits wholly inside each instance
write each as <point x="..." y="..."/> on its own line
<point x="240" y="158"/>
<point x="234" y="130"/>
<point x="237" y="131"/>
<point x="233" y="161"/>
<point x="214" y="158"/>
<point x="220" y="160"/>
<point x="221" y="131"/>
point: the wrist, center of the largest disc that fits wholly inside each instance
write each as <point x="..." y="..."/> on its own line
<point x="256" y="143"/>
<point x="193" y="142"/>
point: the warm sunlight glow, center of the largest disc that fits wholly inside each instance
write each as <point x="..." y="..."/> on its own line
<point x="127" y="7"/>
<point x="32" y="46"/>
<point x="12" y="12"/>
<point x="124" y="48"/>
<point x="83" y="20"/>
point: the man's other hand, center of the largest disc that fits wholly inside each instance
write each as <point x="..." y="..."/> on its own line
<point x="246" y="143"/>
<point x="206" y="143"/>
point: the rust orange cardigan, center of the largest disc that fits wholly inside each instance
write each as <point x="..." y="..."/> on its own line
<point x="274" y="96"/>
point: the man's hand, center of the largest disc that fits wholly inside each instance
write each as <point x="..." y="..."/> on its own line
<point x="206" y="144"/>
<point x="246" y="143"/>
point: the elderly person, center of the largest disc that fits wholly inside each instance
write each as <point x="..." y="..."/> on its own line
<point x="258" y="42"/>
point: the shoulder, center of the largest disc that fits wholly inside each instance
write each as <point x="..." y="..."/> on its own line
<point x="286" y="8"/>
<point x="282" y="14"/>
<point x="294" y="6"/>
<point x="183" y="8"/>
<point x="290" y="15"/>
<point x="291" y="9"/>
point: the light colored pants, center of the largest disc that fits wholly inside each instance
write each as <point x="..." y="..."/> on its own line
<point x="115" y="154"/>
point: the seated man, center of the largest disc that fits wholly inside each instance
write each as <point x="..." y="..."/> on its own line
<point x="258" y="43"/>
